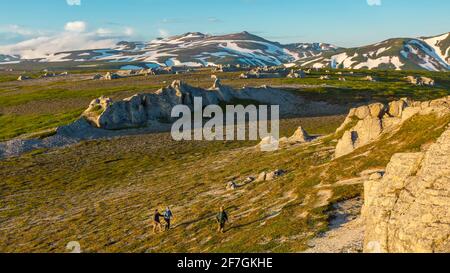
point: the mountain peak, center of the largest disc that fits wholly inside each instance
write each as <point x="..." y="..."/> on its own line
<point x="187" y="34"/>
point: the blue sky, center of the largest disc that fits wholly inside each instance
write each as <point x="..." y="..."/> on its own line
<point x="342" y="22"/>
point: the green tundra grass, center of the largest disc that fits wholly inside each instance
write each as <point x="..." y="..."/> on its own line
<point x="103" y="193"/>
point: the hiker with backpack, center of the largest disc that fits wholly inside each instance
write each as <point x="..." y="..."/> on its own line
<point x="157" y="221"/>
<point x="222" y="219"/>
<point x="168" y="215"/>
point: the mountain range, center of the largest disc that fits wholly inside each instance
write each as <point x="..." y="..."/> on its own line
<point x="196" y="49"/>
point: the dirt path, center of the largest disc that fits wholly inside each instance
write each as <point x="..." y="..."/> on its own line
<point x="346" y="233"/>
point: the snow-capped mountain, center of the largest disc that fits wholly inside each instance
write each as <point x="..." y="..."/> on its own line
<point x="197" y="49"/>
<point x="9" y="58"/>
<point x="429" y="53"/>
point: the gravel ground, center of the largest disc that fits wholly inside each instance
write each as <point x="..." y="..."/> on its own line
<point x="346" y="233"/>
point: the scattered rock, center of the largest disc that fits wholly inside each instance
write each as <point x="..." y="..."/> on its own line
<point x="261" y="177"/>
<point x="232" y="185"/>
<point x="269" y="176"/>
<point x="274" y="175"/>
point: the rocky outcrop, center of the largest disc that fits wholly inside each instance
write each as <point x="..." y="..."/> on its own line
<point x="140" y="109"/>
<point x="407" y="209"/>
<point x="300" y="74"/>
<point x="376" y="119"/>
<point x="111" y="76"/>
<point x="300" y="136"/>
<point x="370" y="79"/>
<point x="23" y="78"/>
<point x="421" y="81"/>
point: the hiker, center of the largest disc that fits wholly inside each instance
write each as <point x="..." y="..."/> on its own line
<point x="157" y="221"/>
<point x="222" y="219"/>
<point x="167" y="217"/>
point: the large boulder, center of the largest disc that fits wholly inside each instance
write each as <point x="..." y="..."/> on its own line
<point x="362" y="112"/>
<point x="367" y="130"/>
<point x="396" y="108"/>
<point x="346" y="144"/>
<point x="377" y="110"/>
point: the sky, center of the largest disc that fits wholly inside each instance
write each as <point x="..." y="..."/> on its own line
<point x="64" y="24"/>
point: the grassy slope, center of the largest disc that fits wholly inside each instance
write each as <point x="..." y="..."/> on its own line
<point x="102" y="193"/>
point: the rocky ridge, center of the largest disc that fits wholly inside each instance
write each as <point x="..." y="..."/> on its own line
<point x="367" y="123"/>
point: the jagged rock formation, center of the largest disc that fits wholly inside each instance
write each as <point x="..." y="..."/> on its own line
<point x="300" y="136"/>
<point x="139" y="109"/>
<point x="407" y="210"/>
<point x="373" y="120"/>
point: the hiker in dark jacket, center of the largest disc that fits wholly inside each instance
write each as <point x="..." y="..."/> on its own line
<point x="157" y="221"/>
<point x="168" y="215"/>
<point x="222" y="219"/>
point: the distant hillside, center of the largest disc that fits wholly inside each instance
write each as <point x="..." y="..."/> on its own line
<point x="196" y="49"/>
<point x="429" y="53"/>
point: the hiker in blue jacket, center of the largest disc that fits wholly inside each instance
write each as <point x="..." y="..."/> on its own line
<point x="168" y="215"/>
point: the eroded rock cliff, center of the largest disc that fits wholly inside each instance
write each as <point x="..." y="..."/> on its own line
<point x="408" y="209"/>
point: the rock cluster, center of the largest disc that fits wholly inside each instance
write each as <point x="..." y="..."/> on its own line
<point x="421" y="81"/>
<point x="407" y="209"/>
<point x="375" y="119"/>
<point x="299" y="74"/>
<point x="266" y="72"/>
<point x="269" y="176"/>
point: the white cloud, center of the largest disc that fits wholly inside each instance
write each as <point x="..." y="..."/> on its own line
<point x="75" y="37"/>
<point x="374" y="2"/>
<point x="76" y="26"/>
<point x="73" y="2"/>
<point x="42" y="47"/>
<point x="128" y="31"/>
<point x="163" y="33"/>
<point x="16" y="29"/>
